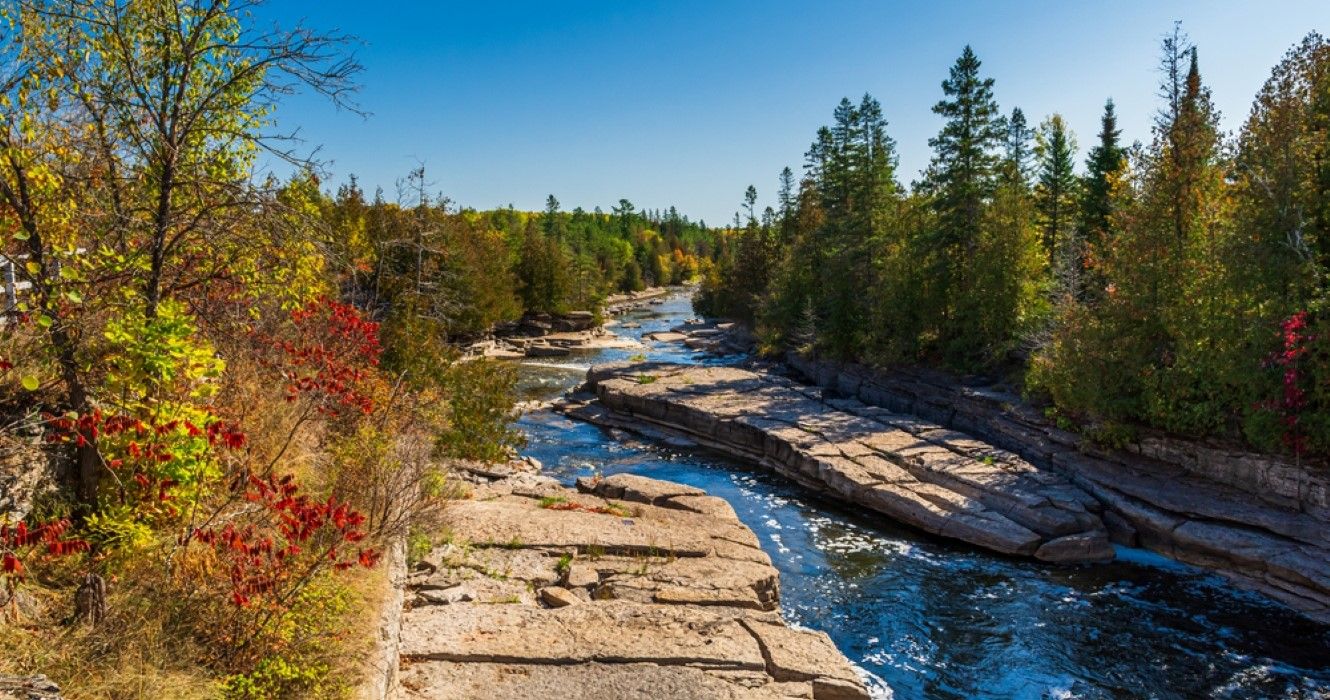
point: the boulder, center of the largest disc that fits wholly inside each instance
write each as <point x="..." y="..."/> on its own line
<point x="1076" y="548"/>
<point x="558" y="597"/>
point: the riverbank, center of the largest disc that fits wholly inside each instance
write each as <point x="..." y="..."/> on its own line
<point x="544" y="335"/>
<point x="909" y="470"/>
<point x="936" y="618"/>
<point x="1258" y="520"/>
<point x="623" y="587"/>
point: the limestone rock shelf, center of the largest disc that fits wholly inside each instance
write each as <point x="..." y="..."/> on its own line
<point x="627" y="588"/>
<point x="910" y="470"/>
<point x="1262" y="521"/>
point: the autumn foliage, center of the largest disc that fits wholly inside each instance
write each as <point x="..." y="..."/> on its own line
<point x="47" y="539"/>
<point x="272" y="556"/>
<point x="326" y="356"/>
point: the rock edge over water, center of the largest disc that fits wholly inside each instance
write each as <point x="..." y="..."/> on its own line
<point x="1261" y="521"/>
<point x="627" y="588"/>
<point x="918" y="473"/>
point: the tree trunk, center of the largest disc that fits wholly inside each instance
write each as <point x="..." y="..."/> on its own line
<point x="90" y="600"/>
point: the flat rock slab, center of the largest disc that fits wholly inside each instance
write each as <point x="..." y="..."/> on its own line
<point x="512" y="521"/>
<point x="913" y="471"/>
<point x="28" y="688"/>
<point x="621" y="681"/>
<point x="612" y="631"/>
<point x="630" y="588"/>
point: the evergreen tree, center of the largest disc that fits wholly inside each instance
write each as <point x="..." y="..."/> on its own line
<point x="961" y="175"/>
<point x="553" y="223"/>
<point x="1017" y="143"/>
<point x="1104" y="162"/>
<point x="961" y="179"/>
<point x="785" y="195"/>
<point x="1056" y="195"/>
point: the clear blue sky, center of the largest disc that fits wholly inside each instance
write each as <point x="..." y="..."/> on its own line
<point x="687" y="103"/>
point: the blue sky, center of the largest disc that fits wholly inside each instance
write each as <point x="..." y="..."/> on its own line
<point x="687" y="103"/>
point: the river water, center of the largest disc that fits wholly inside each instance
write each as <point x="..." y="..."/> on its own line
<point x="926" y="618"/>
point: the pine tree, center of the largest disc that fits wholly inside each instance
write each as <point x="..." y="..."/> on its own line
<point x="552" y="223"/>
<point x="964" y="162"/>
<point x="1102" y="165"/>
<point x="1017" y="143"/>
<point x="1056" y="195"/>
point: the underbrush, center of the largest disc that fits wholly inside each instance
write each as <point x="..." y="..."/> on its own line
<point x="240" y="516"/>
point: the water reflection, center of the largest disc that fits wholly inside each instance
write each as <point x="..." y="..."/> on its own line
<point x="938" y="620"/>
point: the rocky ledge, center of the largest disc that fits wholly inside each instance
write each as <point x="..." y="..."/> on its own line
<point x="617" y="304"/>
<point x="560" y="344"/>
<point x="715" y="337"/>
<point x="626" y="588"/>
<point x="1261" y="521"/>
<point x="913" y="471"/>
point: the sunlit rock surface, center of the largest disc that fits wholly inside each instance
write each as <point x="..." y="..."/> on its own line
<point x="913" y="471"/>
<point x="627" y="588"/>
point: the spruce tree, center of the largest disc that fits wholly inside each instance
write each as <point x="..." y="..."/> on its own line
<point x="1055" y="194"/>
<point x="553" y="223"/>
<point x="961" y="180"/>
<point x="1102" y="164"/>
<point x="965" y="159"/>
<point x="1017" y="144"/>
<point x="785" y="195"/>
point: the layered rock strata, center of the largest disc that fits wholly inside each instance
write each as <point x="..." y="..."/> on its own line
<point x="1258" y="519"/>
<point x="915" y="472"/>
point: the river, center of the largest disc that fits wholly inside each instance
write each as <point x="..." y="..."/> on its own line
<point x="927" y="618"/>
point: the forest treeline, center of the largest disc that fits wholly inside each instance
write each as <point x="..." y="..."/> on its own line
<point x="418" y="256"/>
<point x="246" y="389"/>
<point x="1179" y="283"/>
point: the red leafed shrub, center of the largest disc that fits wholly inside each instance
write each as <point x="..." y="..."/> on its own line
<point x="1293" y="401"/>
<point x="290" y="538"/>
<point x="20" y="542"/>
<point x="333" y="351"/>
<point x="5" y="364"/>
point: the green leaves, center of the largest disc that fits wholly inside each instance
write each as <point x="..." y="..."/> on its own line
<point x="30" y="383"/>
